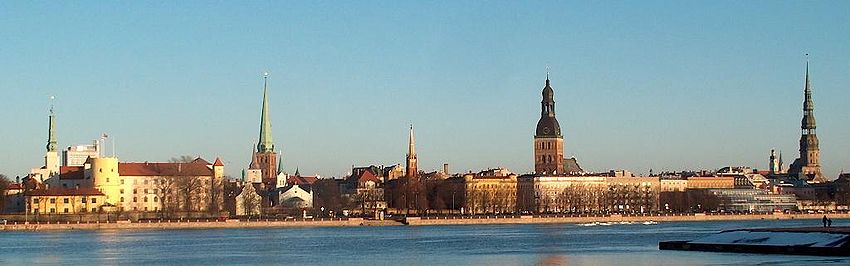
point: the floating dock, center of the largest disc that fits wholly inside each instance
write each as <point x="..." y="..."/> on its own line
<point x="816" y="241"/>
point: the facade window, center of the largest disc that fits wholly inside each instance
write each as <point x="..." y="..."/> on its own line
<point x="134" y="191"/>
<point x="84" y="199"/>
<point x="35" y="201"/>
<point x="122" y="181"/>
<point x="145" y="199"/>
<point x="52" y="210"/>
<point x="154" y="199"/>
<point x="107" y="180"/>
<point x="65" y="200"/>
<point x="93" y="200"/>
<point x="52" y="200"/>
<point x="122" y="199"/>
<point x="66" y="210"/>
<point x="146" y="190"/>
<point x="135" y="199"/>
<point x="146" y="181"/>
<point x="93" y="209"/>
<point x="146" y="208"/>
<point x="122" y="191"/>
<point x="83" y="210"/>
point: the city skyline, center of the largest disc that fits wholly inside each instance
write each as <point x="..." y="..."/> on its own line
<point x="327" y="129"/>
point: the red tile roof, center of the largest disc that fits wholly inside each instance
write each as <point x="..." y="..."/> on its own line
<point x="71" y="172"/>
<point x="164" y="169"/>
<point x="66" y="192"/>
<point x="200" y="161"/>
<point x="15" y="186"/>
<point x="301" y="180"/>
<point x="218" y="162"/>
<point x="366" y="176"/>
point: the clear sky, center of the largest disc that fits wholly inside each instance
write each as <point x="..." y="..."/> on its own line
<point x="639" y="85"/>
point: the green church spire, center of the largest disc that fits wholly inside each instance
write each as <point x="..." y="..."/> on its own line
<point x="266" y="144"/>
<point x="51" y="136"/>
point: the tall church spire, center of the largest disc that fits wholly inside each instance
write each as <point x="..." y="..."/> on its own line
<point x="412" y="163"/>
<point x="808" y="165"/>
<point x="266" y="144"/>
<point x="51" y="135"/>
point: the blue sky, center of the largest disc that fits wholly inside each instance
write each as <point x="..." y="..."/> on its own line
<point x="639" y="85"/>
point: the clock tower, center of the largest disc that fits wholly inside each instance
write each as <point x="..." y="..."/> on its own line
<point x="548" y="141"/>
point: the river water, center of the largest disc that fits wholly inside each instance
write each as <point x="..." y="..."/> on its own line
<point x="532" y="244"/>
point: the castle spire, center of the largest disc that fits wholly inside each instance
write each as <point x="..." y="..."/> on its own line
<point x="266" y="144"/>
<point x="51" y="131"/>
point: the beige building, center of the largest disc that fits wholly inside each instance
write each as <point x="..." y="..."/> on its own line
<point x="486" y="194"/>
<point x="617" y="191"/>
<point x="708" y="182"/>
<point x="65" y="201"/>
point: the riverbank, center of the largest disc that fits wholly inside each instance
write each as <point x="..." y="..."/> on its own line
<point x="195" y="224"/>
<point x="579" y="219"/>
<point x="411" y="221"/>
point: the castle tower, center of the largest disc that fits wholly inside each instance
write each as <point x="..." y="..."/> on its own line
<point x="808" y="165"/>
<point x="548" y="141"/>
<point x="412" y="167"/>
<point x="265" y="157"/>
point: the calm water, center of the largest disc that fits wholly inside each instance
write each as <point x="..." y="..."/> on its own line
<point x="635" y="244"/>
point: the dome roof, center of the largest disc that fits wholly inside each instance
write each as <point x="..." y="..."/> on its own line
<point x="548" y="126"/>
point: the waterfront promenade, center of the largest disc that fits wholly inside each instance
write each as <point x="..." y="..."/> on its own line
<point x="411" y="221"/>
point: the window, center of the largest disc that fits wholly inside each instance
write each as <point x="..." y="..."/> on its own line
<point x="93" y="200"/>
<point x="122" y="181"/>
<point x="107" y="180"/>
<point x="146" y="190"/>
<point x="93" y="209"/>
<point x="146" y="208"/>
<point x="122" y="191"/>
<point x="154" y="199"/>
<point x="35" y="201"/>
<point x="122" y="199"/>
<point x="84" y="199"/>
<point x="145" y="199"/>
<point x="83" y="210"/>
<point x="134" y="191"/>
<point x="135" y="200"/>
<point x="52" y="210"/>
<point x="52" y="200"/>
<point x="146" y="181"/>
<point x="65" y="200"/>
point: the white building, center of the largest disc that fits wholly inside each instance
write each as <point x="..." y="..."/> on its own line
<point x="76" y="155"/>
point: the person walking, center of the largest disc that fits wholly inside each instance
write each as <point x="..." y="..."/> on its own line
<point x="828" y="222"/>
<point x="824" y="221"/>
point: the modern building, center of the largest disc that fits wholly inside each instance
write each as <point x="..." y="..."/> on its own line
<point x="77" y="155"/>
<point x="548" y="140"/>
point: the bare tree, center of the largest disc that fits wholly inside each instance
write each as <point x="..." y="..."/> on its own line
<point x="4" y="186"/>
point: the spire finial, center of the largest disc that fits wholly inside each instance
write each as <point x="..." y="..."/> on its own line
<point x="547" y="72"/>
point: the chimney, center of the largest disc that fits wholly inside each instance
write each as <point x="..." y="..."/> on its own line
<point x="446" y="168"/>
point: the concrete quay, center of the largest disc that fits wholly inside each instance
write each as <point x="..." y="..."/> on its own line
<point x="194" y="224"/>
<point x="411" y="221"/>
<point x="580" y="219"/>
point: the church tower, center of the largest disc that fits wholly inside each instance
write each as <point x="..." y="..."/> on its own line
<point x="548" y="141"/>
<point x="412" y="167"/>
<point x="265" y="157"/>
<point x="808" y="165"/>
